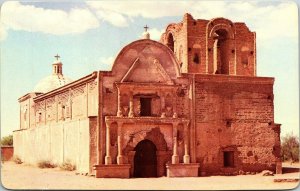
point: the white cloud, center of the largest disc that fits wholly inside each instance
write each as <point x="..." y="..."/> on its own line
<point x="3" y="32"/>
<point x="269" y="21"/>
<point x="273" y="20"/>
<point x="112" y="17"/>
<point x="107" y="61"/>
<point x="155" y="33"/>
<point x="146" y="9"/>
<point x="16" y="16"/>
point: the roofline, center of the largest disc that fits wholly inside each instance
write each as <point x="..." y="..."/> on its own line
<point x="69" y="85"/>
<point x="28" y="95"/>
<point x="231" y="78"/>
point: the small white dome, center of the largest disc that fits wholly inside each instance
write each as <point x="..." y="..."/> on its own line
<point x="51" y="82"/>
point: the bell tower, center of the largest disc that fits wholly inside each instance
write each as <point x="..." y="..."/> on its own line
<point x="217" y="46"/>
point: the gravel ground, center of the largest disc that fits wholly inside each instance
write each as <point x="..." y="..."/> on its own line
<point x="22" y="176"/>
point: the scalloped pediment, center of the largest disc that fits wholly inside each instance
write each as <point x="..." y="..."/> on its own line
<point x="146" y="71"/>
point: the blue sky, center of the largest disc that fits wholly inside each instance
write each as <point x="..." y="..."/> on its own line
<point x="89" y="35"/>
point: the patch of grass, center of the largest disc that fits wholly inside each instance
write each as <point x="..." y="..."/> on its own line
<point x="7" y="141"/>
<point x="46" y="164"/>
<point x="17" y="160"/>
<point x="67" y="166"/>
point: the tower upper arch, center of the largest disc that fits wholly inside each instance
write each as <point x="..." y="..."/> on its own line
<point x="218" y="24"/>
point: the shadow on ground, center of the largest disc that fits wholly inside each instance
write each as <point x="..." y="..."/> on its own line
<point x="290" y="169"/>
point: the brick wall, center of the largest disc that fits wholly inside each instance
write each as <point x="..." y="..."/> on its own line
<point x="197" y="38"/>
<point x="7" y="153"/>
<point x="235" y="114"/>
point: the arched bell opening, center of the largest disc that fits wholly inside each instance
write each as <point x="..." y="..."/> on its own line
<point x="170" y="43"/>
<point x="221" y="52"/>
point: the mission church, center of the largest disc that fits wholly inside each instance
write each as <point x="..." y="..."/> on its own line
<point x="189" y="105"/>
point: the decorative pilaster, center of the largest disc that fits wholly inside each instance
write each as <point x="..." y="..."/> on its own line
<point x="120" y="157"/>
<point x="175" y="157"/>
<point x="107" y="156"/>
<point x="119" y="113"/>
<point x="186" y="157"/>
<point x="131" y="112"/>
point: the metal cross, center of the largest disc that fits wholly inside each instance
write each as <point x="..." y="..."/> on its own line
<point x="146" y="28"/>
<point x="57" y="56"/>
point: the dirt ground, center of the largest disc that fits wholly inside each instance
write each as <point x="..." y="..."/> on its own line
<point x="22" y="176"/>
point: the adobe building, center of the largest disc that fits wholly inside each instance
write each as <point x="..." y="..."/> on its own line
<point x="189" y="105"/>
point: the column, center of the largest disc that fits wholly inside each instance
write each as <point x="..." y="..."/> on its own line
<point x="70" y="103"/>
<point x="174" y="105"/>
<point x="120" y="157"/>
<point x="163" y="103"/>
<point x="119" y="113"/>
<point x="131" y="112"/>
<point x="186" y="157"/>
<point x="175" y="157"/>
<point x="107" y="156"/>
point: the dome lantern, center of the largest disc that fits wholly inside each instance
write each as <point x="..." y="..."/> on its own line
<point x="146" y="34"/>
<point x="57" y="66"/>
<point x="56" y="80"/>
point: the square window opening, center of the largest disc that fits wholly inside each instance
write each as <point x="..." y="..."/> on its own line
<point x="145" y="106"/>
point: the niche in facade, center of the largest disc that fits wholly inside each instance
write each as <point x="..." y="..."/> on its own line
<point x="245" y="54"/>
<point x="196" y="54"/>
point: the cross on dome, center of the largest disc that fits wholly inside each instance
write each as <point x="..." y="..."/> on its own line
<point x="57" y="57"/>
<point x="146" y="34"/>
<point x="146" y="28"/>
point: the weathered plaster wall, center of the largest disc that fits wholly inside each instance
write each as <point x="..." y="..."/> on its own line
<point x="58" y="143"/>
<point x="76" y="102"/>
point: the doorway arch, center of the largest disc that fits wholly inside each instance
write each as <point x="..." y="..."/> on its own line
<point x="145" y="160"/>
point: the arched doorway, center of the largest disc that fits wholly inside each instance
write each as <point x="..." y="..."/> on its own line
<point x="145" y="161"/>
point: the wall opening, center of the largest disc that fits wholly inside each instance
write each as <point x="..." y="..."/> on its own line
<point x="170" y="43"/>
<point x="145" y="161"/>
<point x="228" y="158"/>
<point x="145" y="106"/>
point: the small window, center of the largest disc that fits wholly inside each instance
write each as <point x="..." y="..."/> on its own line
<point x="63" y="111"/>
<point x="228" y="159"/>
<point x="145" y="106"/>
<point x="39" y="119"/>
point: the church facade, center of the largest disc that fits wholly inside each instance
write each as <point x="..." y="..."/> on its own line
<point x="189" y="105"/>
